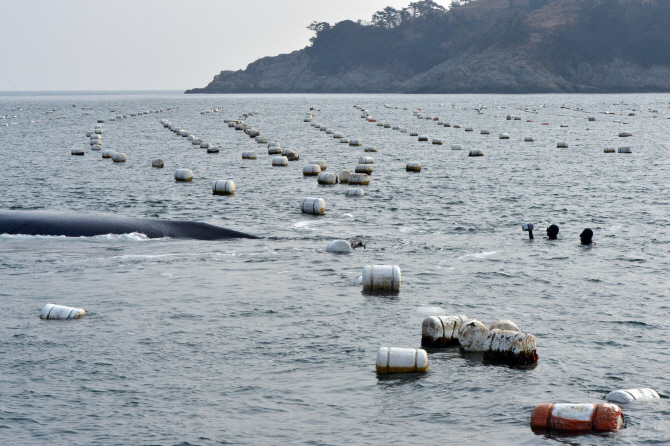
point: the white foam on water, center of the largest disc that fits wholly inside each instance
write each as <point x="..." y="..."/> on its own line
<point x="431" y="311"/>
<point x="479" y="255"/>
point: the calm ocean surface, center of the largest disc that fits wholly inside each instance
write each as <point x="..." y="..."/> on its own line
<point x="271" y="341"/>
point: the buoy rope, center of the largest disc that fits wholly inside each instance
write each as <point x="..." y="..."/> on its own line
<point x="50" y="309"/>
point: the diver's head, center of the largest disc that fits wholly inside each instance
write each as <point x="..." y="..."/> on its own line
<point x="586" y="236"/>
<point x="552" y="232"/>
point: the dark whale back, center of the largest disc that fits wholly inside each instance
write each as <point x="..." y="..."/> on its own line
<point x="76" y="225"/>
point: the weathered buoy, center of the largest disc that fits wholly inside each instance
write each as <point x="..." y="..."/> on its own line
<point x="77" y="151"/>
<point x="625" y="150"/>
<point x="293" y="156"/>
<point x="476" y="152"/>
<point x="423" y="138"/>
<point x="311" y="205"/>
<point x="381" y="278"/>
<point x="359" y="178"/>
<point x="311" y="170"/>
<point x="107" y="153"/>
<point x="157" y="163"/>
<point x="343" y="176"/>
<point x="609" y="150"/>
<point x="280" y="161"/>
<point x="365" y="160"/>
<point x="401" y="360"/>
<point x="632" y="395"/>
<point x="119" y="157"/>
<point x="562" y="145"/>
<point x="603" y="417"/>
<point x="364" y="168"/>
<point x="441" y="331"/>
<point x="356" y="142"/>
<point x="322" y="164"/>
<point x="437" y="141"/>
<point x="339" y="246"/>
<point x="223" y="187"/>
<point x="510" y="347"/>
<point x="504" y="136"/>
<point x="413" y="167"/>
<point x="370" y="149"/>
<point x="183" y="175"/>
<point x="472" y="335"/>
<point x="352" y="192"/>
<point x="326" y="178"/>
<point x="51" y="311"/>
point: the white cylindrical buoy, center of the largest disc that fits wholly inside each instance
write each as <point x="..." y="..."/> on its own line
<point x="472" y="335"/>
<point x="285" y="151"/>
<point x="326" y="178"/>
<point x="157" y="163"/>
<point x="279" y="161"/>
<point x="352" y="192"/>
<point x="249" y="155"/>
<point x="330" y="132"/>
<point x="315" y="206"/>
<point x="625" y="134"/>
<point x="322" y="164"/>
<point x="457" y="147"/>
<point x="366" y="160"/>
<point x="359" y="178"/>
<point x="574" y="418"/>
<point x="413" y="167"/>
<point x="119" y="157"/>
<point x="529" y="139"/>
<point x="468" y="129"/>
<point x="401" y="360"/>
<point x="510" y="347"/>
<point x="77" y="151"/>
<point x="356" y="142"/>
<point x="625" y="150"/>
<point x="504" y="324"/>
<point x="609" y="150"/>
<point x="261" y="140"/>
<point x="562" y="145"/>
<point x="339" y="246"/>
<point x="441" y="331"/>
<point x="274" y="150"/>
<point x="96" y="147"/>
<point x="190" y="137"/>
<point x="107" y="153"/>
<point x="51" y="311"/>
<point x="212" y="149"/>
<point x="437" y="141"/>
<point x="413" y="134"/>
<point x="447" y="124"/>
<point x="364" y="168"/>
<point x="485" y="132"/>
<point x="592" y="119"/>
<point x="338" y="135"/>
<point x="183" y="175"/>
<point x="457" y="126"/>
<point x="96" y="137"/>
<point x="370" y="149"/>
<point x="632" y="396"/>
<point x="475" y="152"/>
<point x="88" y="134"/>
<point x="344" y="175"/>
<point x="344" y="141"/>
<point x="205" y="145"/>
<point x="223" y="187"/>
<point x="311" y="170"/>
<point x="381" y="278"/>
<point x="98" y="131"/>
<point x="504" y="136"/>
<point x="184" y="133"/>
<point x="423" y="138"/>
<point x="196" y="141"/>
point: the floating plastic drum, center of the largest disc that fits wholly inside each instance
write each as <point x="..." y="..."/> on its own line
<point x="183" y="175"/>
<point x="185" y="133"/>
<point x="223" y="187"/>
<point x="366" y="160"/>
<point x="476" y="152"/>
<point x="274" y="151"/>
<point x="212" y="149"/>
<point x="447" y="124"/>
<point x="280" y="161"/>
<point x="190" y="138"/>
<point x="77" y="151"/>
<point x="96" y="147"/>
<point x="322" y="164"/>
<point x="381" y="278"/>
<point x="339" y="246"/>
<point x="510" y="347"/>
<point x="107" y="153"/>
<point x="330" y="132"/>
<point x="98" y="131"/>
<point x="51" y="311"/>
<point x="196" y="141"/>
<point x="403" y="130"/>
<point x="356" y="142"/>
<point x="413" y="134"/>
<point x="457" y="126"/>
<point x="315" y="206"/>
<point x="591" y="119"/>
<point x="603" y="417"/>
<point x="423" y="138"/>
<point x="437" y="141"/>
<point x="457" y="147"/>
<point x="351" y="192"/>
<point x="562" y="145"/>
<point x="119" y="157"/>
<point x="413" y="167"/>
<point x="632" y="395"/>
<point x="101" y="121"/>
<point x="157" y="163"/>
<point x="338" y="135"/>
<point x="387" y="125"/>
<point x="468" y="129"/>
<point x="401" y="360"/>
<point x="344" y="141"/>
<point x="609" y="150"/>
<point x="529" y="139"/>
<point x="364" y="168"/>
<point x="625" y="134"/>
<point x="359" y="178"/>
<point x="504" y="324"/>
<point x="326" y="178"/>
<point x="472" y="335"/>
<point x="261" y="140"/>
<point x="249" y="155"/>
<point x="344" y="175"/>
<point x="625" y="150"/>
<point x="485" y="132"/>
<point x="293" y="156"/>
<point x="205" y="145"/>
<point x="504" y="136"/>
<point x="395" y="127"/>
<point x="370" y="149"/>
<point x="285" y="151"/>
<point x="95" y="136"/>
<point x="311" y="170"/>
<point x="441" y="331"/>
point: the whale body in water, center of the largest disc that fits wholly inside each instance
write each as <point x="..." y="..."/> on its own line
<point x="77" y="225"/>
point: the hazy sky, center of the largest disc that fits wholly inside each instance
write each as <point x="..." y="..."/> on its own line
<point x="151" y="44"/>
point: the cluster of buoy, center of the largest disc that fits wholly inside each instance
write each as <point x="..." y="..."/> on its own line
<point x="190" y="137"/>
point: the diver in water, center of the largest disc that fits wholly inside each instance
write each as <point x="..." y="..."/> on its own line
<point x="552" y="232"/>
<point x="586" y="237"/>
